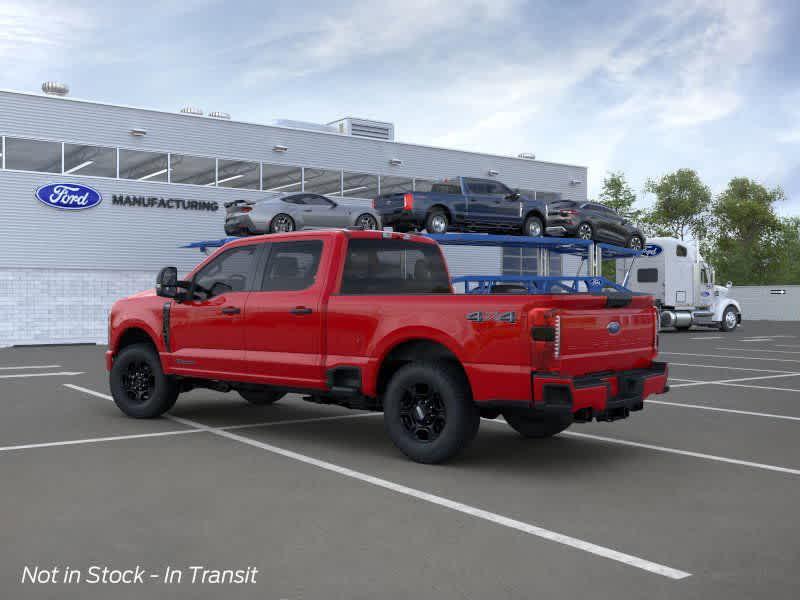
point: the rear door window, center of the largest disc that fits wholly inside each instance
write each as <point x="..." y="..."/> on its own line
<point x="394" y="267"/>
<point x="292" y="266"/>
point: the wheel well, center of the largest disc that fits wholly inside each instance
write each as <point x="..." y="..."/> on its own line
<point x="535" y="213"/>
<point x="134" y="335"/>
<point x="444" y="210"/>
<point x="415" y="351"/>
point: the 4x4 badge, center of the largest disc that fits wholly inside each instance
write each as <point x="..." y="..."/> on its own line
<point x="482" y="317"/>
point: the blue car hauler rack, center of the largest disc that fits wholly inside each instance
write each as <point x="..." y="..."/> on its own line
<point x="591" y="254"/>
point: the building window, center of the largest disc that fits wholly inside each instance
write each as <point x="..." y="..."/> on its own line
<point x="523" y="261"/>
<point x="360" y="185"/>
<point x="396" y="185"/>
<point x="323" y="181"/>
<point x="280" y="178"/>
<point x="96" y="161"/>
<point x="144" y="166"/>
<point x="33" y="155"/>
<point x="238" y="174"/>
<point x="195" y="170"/>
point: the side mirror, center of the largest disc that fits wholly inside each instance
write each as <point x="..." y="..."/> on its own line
<point x="515" y="195"/>
<point x="729" y="285"/>
<point x="167" y="282"/>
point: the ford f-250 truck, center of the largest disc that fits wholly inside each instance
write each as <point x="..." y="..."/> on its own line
<point x="369" y="320"/>
<point x="464" y="203"/>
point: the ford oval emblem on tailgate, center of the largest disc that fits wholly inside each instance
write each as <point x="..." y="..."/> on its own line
<point x="68" y="196"/>
<point x="613" y="327"/>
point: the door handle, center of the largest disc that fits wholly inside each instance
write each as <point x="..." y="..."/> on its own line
<point x="231" y="310"/>
<point x="307" y="210"/>
<point x="301" y="310"/>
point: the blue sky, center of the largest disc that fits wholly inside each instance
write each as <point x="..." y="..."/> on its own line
<point x="641" y="87"/>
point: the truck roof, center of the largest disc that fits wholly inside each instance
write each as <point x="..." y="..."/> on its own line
<point x="329" y="233"/>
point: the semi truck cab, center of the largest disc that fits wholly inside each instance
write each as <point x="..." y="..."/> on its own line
<point x="684" y="286"/>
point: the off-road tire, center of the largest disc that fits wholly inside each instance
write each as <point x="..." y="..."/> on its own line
<point x="537" y="427"/>
<point x="261" y="397"/>
<point x="450" y="389"/>
<point x="138" y="367"/>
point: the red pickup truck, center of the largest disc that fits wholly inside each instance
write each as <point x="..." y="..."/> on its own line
<point x="369" y="320"/>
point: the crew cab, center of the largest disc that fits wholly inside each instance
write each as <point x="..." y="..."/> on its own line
<point x="369" y="320"/>
<point x="464" y="203"/>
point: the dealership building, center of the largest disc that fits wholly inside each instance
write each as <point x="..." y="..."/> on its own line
<point x="161" y="179"/>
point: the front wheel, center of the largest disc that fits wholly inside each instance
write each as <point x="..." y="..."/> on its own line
<point x="635" y="242"/>
<point x="428" y="411"/>
<point x="533" y="227"/>
<point x="138" y="384"/>
<point x="585" y="232"/>
<point x="730" y="320"/>
<point x="281" y="223"/>
<point x="537" y="426"/>
<point x="367" y="221"/>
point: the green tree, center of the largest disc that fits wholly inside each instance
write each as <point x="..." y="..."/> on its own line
<point x="749" y="242"/>
<point x="681" y="207"/>
<point x="618" y="195"/>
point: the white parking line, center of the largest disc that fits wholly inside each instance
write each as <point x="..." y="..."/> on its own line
<point x="30" y="367"/>
<point x="706" y="337"/>
<point x="712" y="457"/>
<point x="792" y="360"/>
<point x="677" y="364"/>
<point x="724" y="381"/>
<point x="725" y="410"/>
<point x="762" y="387"/>
<point x="97" y="440"/>
<point x="535" y="530"/>
<point x="786" y="345"/>
<point x="19" y="375"/>
<point x="761" y="350"/>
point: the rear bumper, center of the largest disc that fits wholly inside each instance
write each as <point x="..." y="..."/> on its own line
<point x="391" y="218"/>
<point x="604" y="397"/>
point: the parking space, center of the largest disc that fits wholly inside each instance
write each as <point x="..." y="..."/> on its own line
<point x="694" y="497"/>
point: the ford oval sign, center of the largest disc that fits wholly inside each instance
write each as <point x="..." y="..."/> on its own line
<point x="68" y="196"/>
<point x="613" y="327"/>
<point x="652" y="250"/>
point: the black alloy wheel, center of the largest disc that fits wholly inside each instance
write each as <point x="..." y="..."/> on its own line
<point x="422" y="412"/>
<point x="139" y="382"/>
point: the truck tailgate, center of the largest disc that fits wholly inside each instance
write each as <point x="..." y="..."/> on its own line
<point x="599" y="339"/>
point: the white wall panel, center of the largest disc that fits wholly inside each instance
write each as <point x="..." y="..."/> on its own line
<point x="759" y="303"/>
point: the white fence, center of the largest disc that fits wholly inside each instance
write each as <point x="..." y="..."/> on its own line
<point x="768" y="302"/>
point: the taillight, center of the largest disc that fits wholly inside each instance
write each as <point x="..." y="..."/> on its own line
<point x="408" y="201"/>
<point x="656" y="325"/>
<point x="246" y="209"/>
<point x="546" y="334"/>
<point x="568" y="212"/>
<point x="374" y="203"/>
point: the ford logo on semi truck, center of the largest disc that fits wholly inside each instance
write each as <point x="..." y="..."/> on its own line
<point x="68" y="196"/>
<point x="652" y="250"/>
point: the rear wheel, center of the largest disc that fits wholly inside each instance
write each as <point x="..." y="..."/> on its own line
<point x="730" y="320"/>
<point x="367" y="221"/>
<point x="585" y="232"/>
<point x="437" y="221"/>
<point x="261" y="397"/>
<point x="428" y="411"/>
<point x="138" y="384"/>
<point x="281" y="223"/>
<point x="533" y="227"/>
<point x="537" y="426"/>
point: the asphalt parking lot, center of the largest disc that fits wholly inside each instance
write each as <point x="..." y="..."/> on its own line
<point x="695" y="497"/>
